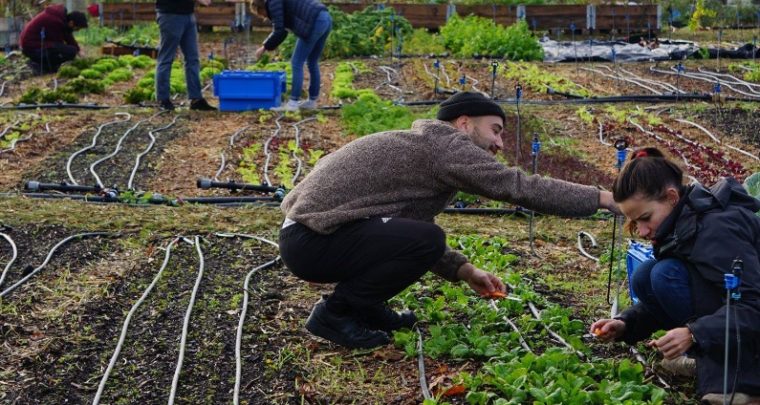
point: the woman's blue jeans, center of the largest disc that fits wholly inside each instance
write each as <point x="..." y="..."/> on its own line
<point x="663" y="288"/>
<point x="309" y="50"/>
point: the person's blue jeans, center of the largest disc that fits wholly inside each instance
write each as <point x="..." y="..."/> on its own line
<point x="178" y="30"/>
<point x="309" y="50"/>
<point x="663" y="287"/>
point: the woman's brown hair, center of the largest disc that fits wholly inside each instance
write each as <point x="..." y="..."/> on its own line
<point x="259" y="8"/>
<point x="648" y="173"/>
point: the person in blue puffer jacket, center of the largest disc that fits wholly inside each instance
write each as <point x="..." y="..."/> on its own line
<point x="310" y="21"/>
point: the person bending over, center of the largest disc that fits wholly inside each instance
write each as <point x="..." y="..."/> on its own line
<point x="48" y="39"/>
<point x="696" y="234"/>
<point x="363" y="218"/>
<point x="310" y="21"/>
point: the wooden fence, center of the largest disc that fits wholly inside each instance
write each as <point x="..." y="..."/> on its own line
<point x="432" y="16"/>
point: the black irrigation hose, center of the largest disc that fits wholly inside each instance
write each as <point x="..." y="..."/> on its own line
<point x="225" y="200"/>
<point x="206" y="184"/>
<point x="646" y="98"/>
<point x="63" y="187"/>
<point x="89" y="106"/>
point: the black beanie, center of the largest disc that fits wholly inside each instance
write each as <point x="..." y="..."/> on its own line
<point x="468" y="103"/>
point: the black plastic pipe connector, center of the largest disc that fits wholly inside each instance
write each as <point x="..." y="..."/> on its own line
<point x="234" y="186"/>
<point x="65" y="187"/>
<point x="225" y="200"/>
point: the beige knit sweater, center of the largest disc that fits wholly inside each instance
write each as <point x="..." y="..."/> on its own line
<point x="415" y="174"/>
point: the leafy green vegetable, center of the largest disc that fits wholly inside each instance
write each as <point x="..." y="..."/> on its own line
<point x="363" y="33"/>
<point x="473" y="36"/>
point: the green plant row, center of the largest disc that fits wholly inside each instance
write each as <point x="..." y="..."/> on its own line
<point x="538" y="80"/>
<point x="477" y="36"/>
<point x="146" y="86"/>
<point x="88" y="76"/>
<point x="463" y="327"/>
<point x="370" y="114"/>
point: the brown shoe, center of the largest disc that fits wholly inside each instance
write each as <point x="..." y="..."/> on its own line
<point x="739" y="399"/>
<point x="681" y="366"/>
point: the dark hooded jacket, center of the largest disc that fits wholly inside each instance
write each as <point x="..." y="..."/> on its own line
<point x="53" y="20"/>
<point x="295" y="15"/>
<point x="707" y="230"/>
<point x="175" y="6"/>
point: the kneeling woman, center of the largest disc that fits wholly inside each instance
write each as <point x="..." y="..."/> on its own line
<point x="696" y="233"/>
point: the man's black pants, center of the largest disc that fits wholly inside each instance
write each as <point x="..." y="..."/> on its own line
<point x="50" y="59"/>
<point x="371" y="260"/>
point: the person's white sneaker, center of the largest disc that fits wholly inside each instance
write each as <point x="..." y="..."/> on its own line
<point x="291" y="105"/>
<point x="308" y="104"/>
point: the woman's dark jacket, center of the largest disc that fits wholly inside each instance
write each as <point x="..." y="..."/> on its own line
<point x="707" y="230"/>
<point x="295" y="15"/>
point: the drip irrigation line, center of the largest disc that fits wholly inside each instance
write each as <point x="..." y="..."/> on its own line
<point x="663" y="85"/>
<point x="118" y="147"/>
<point x="231" y="143"/>
<point x="710" y="134"/>
<point x="514" y="327"/>
<point x="14" y="142"/>
<point x="244" y="309"/>
<point x="13" y="258"/>
<point x="694" y="124"/>
<point x="50" y="256"/>
<point x="475" y="84"/>
<point x="437" y="79"/>
<point x="643" y="361"/>
<point x="620" y="77"/>
<point x="445" y="75"/>
<point x="9" y="127"/>
<point x="125" y="326"/>
<point x="706" y="78"/>
<point x="601" y="135"/>
<point x="298" y="146"/>
<point x="645" y="98"/>
<point x="151" y="134"/>
<point x="56" y="105"/>
<point x="186" y="323"/>
<point x="582" y="234"/>
<point x="537" y="315"/>
<point x="421" y="365"/>
<point x="239" y="335"/>
<point x="266" y="149"/>
<point x="661" y="139"/>
<point x="127" y="116"/>
<point x="734" y="79"/>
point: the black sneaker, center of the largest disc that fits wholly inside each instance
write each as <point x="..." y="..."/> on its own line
<point x="344" y="330"/>
<point x="200" y="104"/>
<point x="166" y="105"/>
<point x="382" y="317"/>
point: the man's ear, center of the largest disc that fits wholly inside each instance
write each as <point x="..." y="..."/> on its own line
<point x="463" y="123"/>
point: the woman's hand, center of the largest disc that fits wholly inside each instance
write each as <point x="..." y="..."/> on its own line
<point x="205" y="2"/>
<point x="259" y="52"/>
<point x="675" y="343"/>
<point x="608" y="329"/>
<point x="482" y="282"/>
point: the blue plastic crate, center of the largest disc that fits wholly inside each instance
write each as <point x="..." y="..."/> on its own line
<point x="637" y="254"/>
<point x="244" y="90"/>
